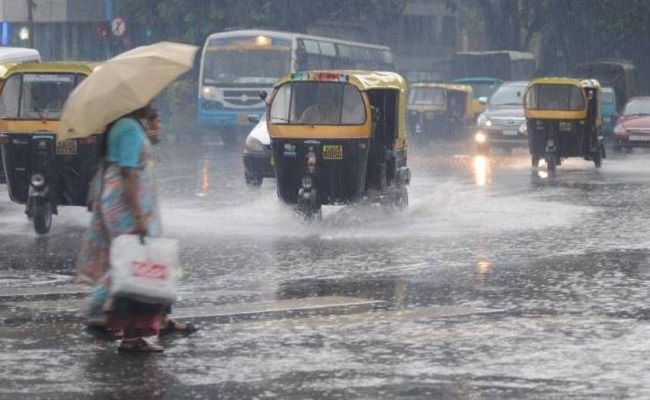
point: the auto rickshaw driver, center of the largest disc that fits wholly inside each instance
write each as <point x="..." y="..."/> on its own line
<point x="324" y="111"/>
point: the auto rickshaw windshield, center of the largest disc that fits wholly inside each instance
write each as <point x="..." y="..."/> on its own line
<point x="555" y="97"/>
<point x="36" y="96"/>
<point x="317" y="103"/>
<point x="427" y="96"/>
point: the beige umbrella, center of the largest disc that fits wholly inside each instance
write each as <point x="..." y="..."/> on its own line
<point x="121" y="85"/>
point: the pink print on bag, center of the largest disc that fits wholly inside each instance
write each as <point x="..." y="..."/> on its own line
<point x="150" y="270"/>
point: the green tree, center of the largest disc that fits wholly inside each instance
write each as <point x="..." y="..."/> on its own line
<point x="183" y="20"/>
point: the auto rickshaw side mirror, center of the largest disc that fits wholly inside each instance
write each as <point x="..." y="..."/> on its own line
<point x="254" y="118"/>
<point x="262" y="94"/>
<point x="483" y="100"/>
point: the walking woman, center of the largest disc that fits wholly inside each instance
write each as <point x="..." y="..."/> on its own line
<point x="125" y="203"/>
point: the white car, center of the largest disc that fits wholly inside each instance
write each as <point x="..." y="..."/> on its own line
<point x="258" y="162"/>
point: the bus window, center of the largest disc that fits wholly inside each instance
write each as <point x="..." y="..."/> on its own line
<point x="312" y="54"/>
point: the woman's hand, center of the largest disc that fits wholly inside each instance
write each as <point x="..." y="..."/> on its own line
<point x="140" y="225"/>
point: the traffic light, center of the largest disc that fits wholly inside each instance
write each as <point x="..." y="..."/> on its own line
<point x="103" y="30"/>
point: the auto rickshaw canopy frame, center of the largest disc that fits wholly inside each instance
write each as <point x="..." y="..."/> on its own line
<point x="562" y="114"/>
<point x="364" y="81"/>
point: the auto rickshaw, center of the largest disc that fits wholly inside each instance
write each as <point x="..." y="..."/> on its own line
<point x="339" y="137"/>
<point x="563" y="120"/>
<point x="440" y="110"/>
<point x="42" y="173"/>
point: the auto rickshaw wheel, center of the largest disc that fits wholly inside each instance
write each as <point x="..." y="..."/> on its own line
<point x="253" y="181"/>
<point x="402" y="198"/>
<point x="42" y="216"/>
<point x="598" y="157"/>
<point x="551" y="162"/>
<point x="534" y="161"/>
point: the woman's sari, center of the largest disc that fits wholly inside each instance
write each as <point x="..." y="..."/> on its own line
<point x="112" y="217"/>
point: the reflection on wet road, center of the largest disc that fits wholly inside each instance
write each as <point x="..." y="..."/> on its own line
<point x="498" y="282"/>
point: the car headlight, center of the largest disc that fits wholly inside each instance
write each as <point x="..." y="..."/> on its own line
<point x="619" y="129"/>
<point x="523" y="129"/>
<point x="209" y="92"/>
<point x="253" y="145"/>
<point x="480" y="137"/>
<point x="483" y="121"/>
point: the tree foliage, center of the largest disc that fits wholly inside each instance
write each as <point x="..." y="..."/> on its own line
<point x="192" y="21"/>
<point x="568" y="32"/>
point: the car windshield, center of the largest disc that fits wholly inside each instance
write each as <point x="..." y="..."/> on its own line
<point x="637" y="107"/>
<point x="245" y="66"/>
<point x="427" y="96"/>
<point x="318" y="103"/>
<point x="508" y="95"/>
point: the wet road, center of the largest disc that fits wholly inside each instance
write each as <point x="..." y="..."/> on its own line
<point x="498" y="282"/>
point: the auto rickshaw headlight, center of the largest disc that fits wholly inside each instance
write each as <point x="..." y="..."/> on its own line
<point x="253" y="145"/>
<point x="307" y="182"/>
<point x="480" y="137"/>
<point x="38" y="180"/>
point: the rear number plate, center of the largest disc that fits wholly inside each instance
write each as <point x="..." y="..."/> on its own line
<point x="510" y="133"/>
<point x="66" y="147"/>
<point x="332" y="152"/>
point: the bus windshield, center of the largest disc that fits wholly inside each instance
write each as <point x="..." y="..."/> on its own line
<point x="318" y="103"/>
<point x="239" y="66"/>
<point x="427" y="96"/>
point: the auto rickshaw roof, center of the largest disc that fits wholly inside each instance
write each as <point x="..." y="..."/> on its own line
<point x="363" y="80"/>
<point x="79" y="67"/>
<point x="458" y="87"/>
<point x="580" y="83"/>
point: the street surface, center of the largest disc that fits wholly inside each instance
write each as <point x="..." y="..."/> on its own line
<point x="498" y="282"/>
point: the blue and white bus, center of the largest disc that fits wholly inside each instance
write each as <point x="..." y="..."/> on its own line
<point x="237" y="65"/>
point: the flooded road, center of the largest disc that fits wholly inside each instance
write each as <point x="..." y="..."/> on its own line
<point x="498" y="282"/>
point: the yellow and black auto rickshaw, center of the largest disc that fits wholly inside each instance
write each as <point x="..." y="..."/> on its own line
<point x="440" y="110"/>
<point x="339" y="137"/>
<point x="42" y="173"/>
<point x="563" y="120"/>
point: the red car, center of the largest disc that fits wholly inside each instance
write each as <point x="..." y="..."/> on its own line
<point x="633" y="126"/>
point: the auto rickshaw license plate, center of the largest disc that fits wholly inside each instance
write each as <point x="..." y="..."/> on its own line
<point x="332" y="152"/>
<point x="66" y="147"/>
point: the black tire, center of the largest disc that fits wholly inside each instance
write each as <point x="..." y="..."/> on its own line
<point x="253" y="181"/>
<point x="551" y="163"/>
<point x="534" y="161"/>
<point x="402" y="198"/>
<point x="42" y="216"/>
<point x="598" y="157"/>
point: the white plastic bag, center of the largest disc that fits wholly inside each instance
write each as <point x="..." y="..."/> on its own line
<point x="145" y="272"/>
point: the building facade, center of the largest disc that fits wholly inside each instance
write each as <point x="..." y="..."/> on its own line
<point x="423" y="38"/>
<point x="58" y="29"/>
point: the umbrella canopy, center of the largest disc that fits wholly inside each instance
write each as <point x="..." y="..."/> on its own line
<point x="121" y="85"/>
